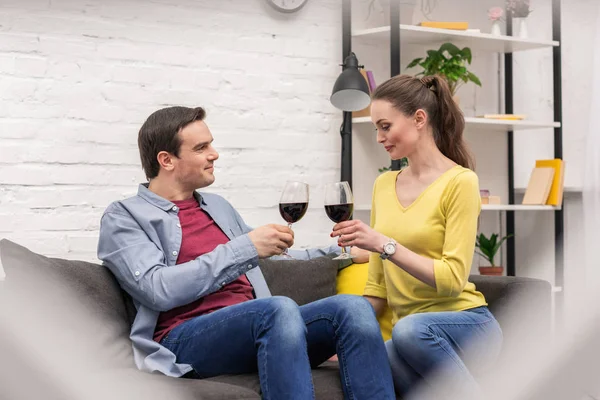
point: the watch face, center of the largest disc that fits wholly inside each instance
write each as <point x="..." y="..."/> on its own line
<point x="389" y="248"/>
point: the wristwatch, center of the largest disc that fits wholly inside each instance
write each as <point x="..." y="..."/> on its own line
<point x="388" y="249"/>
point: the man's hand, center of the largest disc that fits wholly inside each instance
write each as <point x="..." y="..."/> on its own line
<point x="271" y="240"/>
<point x="360" y="256"/>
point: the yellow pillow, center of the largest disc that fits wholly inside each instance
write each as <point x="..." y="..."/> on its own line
<point x="352" y="280"/>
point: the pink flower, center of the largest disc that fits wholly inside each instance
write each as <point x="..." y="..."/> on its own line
<point x="495" y="13"/>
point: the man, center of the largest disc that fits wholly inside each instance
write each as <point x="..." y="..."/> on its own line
<point x="203" y="307"/>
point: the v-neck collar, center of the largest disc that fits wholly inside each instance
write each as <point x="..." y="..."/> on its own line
<point x="423" y="192"/>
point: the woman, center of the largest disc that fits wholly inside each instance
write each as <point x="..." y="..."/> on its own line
<point x="422" y="237"/>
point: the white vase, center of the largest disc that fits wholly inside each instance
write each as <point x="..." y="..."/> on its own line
<point x="379" y="11"/>
<point x="496" y="28"/>
<point x="521" y="27"/>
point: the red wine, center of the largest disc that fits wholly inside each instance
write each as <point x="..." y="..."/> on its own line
<point x="292" y="212"/>
<point x="339" y="212"/>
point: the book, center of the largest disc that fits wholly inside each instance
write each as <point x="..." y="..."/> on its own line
<point x="371" y="80"/>
<point x="459" y="26"/>
<point x="555" y="197"/>
<point x="503" y="116"/>
<point x="539" y="186"/>
<point x="365" y="112"/>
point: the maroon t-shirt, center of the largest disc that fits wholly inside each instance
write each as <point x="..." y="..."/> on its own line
<point x="200" y="235"/>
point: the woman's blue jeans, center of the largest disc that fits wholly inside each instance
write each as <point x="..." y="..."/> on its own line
<point x="430" y="346"/>
<point x="282" y="341"/>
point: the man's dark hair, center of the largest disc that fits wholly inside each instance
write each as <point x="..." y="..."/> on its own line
<point x="160" y="133"/>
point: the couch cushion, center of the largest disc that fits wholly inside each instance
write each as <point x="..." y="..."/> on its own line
<point x="303" y="281"/>
<point x="326" y="380"/>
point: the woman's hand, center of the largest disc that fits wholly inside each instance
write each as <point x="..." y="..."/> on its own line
<point x="359" y="256"/>
<point x="357" y="233"/>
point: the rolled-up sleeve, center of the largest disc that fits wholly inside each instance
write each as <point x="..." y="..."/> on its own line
<point x="462" y="206"/>
<point x="141" y="269"/>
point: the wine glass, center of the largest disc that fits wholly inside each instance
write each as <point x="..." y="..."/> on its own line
<point x="339" y="205"/>
<point x="293" y="204"/>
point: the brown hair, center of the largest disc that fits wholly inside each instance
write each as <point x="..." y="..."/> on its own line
<point x="160" y="133"/>
<point x="432" y="94"/>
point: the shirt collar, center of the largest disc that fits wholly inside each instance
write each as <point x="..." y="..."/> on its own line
<point x="161" y="202"/>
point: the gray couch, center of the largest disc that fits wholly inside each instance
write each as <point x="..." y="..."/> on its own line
<point x="75" y="296"/>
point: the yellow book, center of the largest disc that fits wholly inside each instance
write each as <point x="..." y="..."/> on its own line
<point x="459" y="26"/>
<point x="555" y="197"/>
<point x="503" y="116"/>
<point x="538" y="188"/>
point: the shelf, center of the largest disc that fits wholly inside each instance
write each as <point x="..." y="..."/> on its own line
<point x="517" y="207"/>
<point x="490" y="124"/>
<point x="489" y="207"/>
<point x="413" y="34"/>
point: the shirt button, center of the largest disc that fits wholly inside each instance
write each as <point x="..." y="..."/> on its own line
<point x="137" y="273"/>
<point x="222" y="283"/>
<point x="174" y="253"/>
<point x="174" y="208"/>
<point x="249" y="266"/>
<point x="179" y="225"/>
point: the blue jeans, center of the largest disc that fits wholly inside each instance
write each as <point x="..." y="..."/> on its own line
<point x="282" y="341"/>
<point x="440" y="342"/>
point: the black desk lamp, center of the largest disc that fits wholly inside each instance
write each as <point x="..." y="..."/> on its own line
<point x="350" y="93"/>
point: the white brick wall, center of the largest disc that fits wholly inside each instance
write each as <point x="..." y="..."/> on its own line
<point x="77" y="79"/>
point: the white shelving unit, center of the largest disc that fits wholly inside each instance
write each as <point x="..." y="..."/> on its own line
<point x="418" y="35"/>
<point x="490" y="124"/>
<point x="424" y="38"/>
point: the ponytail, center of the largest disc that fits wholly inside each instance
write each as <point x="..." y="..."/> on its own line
<point x="432" y="94"/>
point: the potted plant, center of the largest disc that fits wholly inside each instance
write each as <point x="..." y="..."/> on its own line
<point x="520" y="10"/>
<point x="403" y="164"/>
<point x="488" y="248"/>
<point x="450" y="62"/>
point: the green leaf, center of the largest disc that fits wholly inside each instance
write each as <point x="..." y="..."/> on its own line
<point x="450" y="48"/>
<point x="414" y="62"/>
<point x="484" y="256"/>
<point x="474" y="78"/>
<point x="466" y="53"/>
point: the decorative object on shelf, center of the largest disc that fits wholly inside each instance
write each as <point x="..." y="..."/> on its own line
<point x="495" y="15"/>
<point x="510" y="117"/>
<point x="287" y="6"/>
<point x="448" y="61"/>
<point x="350" y="93"/>
<point x="366" y="112"/>
<point x="381" y="10"/>
<point x="519" y="9"/>
<point x="487" y="198"/>
<point x="488" y="248"/>
<point x="455" y="26"/>
<point x="403" y="164"/>
<point x="555" y="197"/>
<point x="538" y="188"/>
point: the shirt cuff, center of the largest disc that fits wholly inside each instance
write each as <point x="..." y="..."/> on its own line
<point x="244" y="250"/>
<point x="374" y="290"/>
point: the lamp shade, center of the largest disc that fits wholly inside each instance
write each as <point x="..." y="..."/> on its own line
<point x="350" y="91"/>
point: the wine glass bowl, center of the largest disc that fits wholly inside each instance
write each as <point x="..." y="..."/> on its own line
<point x="339" y="206"/>
<point x="293" y="204"/>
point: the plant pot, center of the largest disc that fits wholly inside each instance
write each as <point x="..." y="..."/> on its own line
<point x="491" y="271"/>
